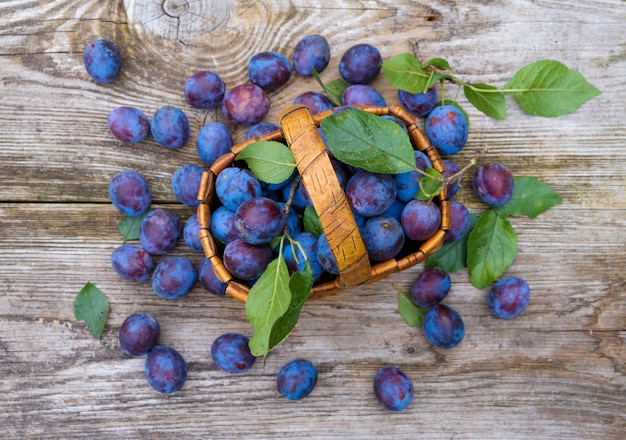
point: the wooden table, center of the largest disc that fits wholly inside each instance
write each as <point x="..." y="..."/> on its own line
<point x="557" y="371"/>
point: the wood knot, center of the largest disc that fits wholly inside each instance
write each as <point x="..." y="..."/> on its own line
<point x="175" y="8"/>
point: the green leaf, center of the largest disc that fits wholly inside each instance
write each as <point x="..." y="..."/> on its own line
<point x="491" y="249"/>
<point x="364" y="140"/>
<point x="268" y="300"/>
<point x="548" y="88"/>
<point x="334" y="89"/>
<point x="300" y="286"/>
<point x="129" y="227"/>
<point x="404" y="72"/>
<point x="411" y="312"/>
<point x="311" y="222"/>
<point x="270" y="161"/>
<point x="437" y="63"/>
<point x="452" y="257"/>
<point x="486" y="98"/>
<point x="92" y="307"/>
<point x="530" y="197"/>
<point x="430" y="185"/>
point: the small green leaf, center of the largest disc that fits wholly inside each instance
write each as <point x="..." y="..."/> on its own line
<point x="92" y="307"/>
<point x="491" y="249"/>
<point x="311" y="222"/>
<point x="411" y="312"/>
<point x="334" y="89"/>
<point x="486" y="98"/>
<point x="129" y="227"/>
<point x="452" y="257"/>
<point x="404" y="72"/>
<point x="268" y="300"/>
<point x="548" y="88"/>
<point x="530" y="197"/>
<point x="430" y="185"/>
<point x="437" y="63"/>
<point x="364" y="140"/>
<point x="270" y="161"/>
<point x="300" y="286"/>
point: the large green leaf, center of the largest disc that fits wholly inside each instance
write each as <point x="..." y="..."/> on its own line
<point x="491" y="249"/>
<point x="530" y="197"/>
<point x="270" y="161"/>
<point x="268" y="300"/>
<point x="548" y="88"/>
<point x="404" y="72"/>
<point x="364" y="140"/>
<point x="92" y="307"/>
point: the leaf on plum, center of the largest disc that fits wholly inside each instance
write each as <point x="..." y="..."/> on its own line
<point x="486" y="98"/>
<point x="404" y="72"/>
<point x="531" y="197"/>
<point x="270" y="161"/>
<point x="548" y="88"/>
<point x="410" y="312"/>
<point x="334" y="89"/>
<point x="430" y="185"/>
<point x="452" y="257"/>
<point x="364" y="140"/>
<point x="268" y="300"/>
<point x="491" y="248"/>
<point x="311" y="221"/>
<point x="92" y="307"/>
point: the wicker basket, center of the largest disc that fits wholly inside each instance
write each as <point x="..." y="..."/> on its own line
<point x="299" y="131"/>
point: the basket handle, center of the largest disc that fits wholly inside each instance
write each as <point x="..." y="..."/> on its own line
<point x="327" y="197"/>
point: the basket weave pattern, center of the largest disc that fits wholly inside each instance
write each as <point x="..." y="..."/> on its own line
<point x="299" y="131"/>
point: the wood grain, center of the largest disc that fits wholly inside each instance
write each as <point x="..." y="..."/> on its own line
<point x="556" y="372"/>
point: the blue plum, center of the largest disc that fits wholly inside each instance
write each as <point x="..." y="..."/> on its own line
<point x="159" y="231"/>
<point x="325" y="255"/>
<point x="231" y="353"/>
<point x="383" y="237"/>
<point x="431" y="287"/>
<point x="459" y="222"/>
<point x="214" y="140"/>
<point x="204" y="89"/>
<point x="246" y="261"/>
<point x="233" y="186"/>
<point x="420" y="104"/>
<point x="451" y="169"/>
<point x="269" y="70"/>
<point x="223" y="225"/>
<point x="129" y="192"/>
<point x="191" y="233"/>
<point x="128" y="124"/>
<point x="443" y="326"/>
<point x="297" y="260"/>
<point x="420" y="219"/>
<point x="362" y="94"/>
<point x="259" y="219"/>
<point x="493" y="184"/>
<point x="360" y="64"/>
<point x="186" y="183"/>
<point x="165" y="369"/>
<point x="408" y="183"/>
<point x="296" y="379"/>
<point x="508" y="297"/>
<point x="103" y="60"/>
<point x="139" y="333"/>
<point x="208" y="279"/>
<point x="170" y="127"/>
<point x="260" y="129"/>
<point x="174" y="277"/>
<point x="447" y="129"/>
<point x="314" y="101"/>
<point x="245" y="105"/>
<point x="132" y="262"/>
<point x="370" y="194"/>
<point x="395" y="210"/>
<point x="311" y="52"/>
<point x="393" y="388"/>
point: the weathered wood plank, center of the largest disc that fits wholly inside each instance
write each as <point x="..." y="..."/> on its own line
<point x="557" y="371"/>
